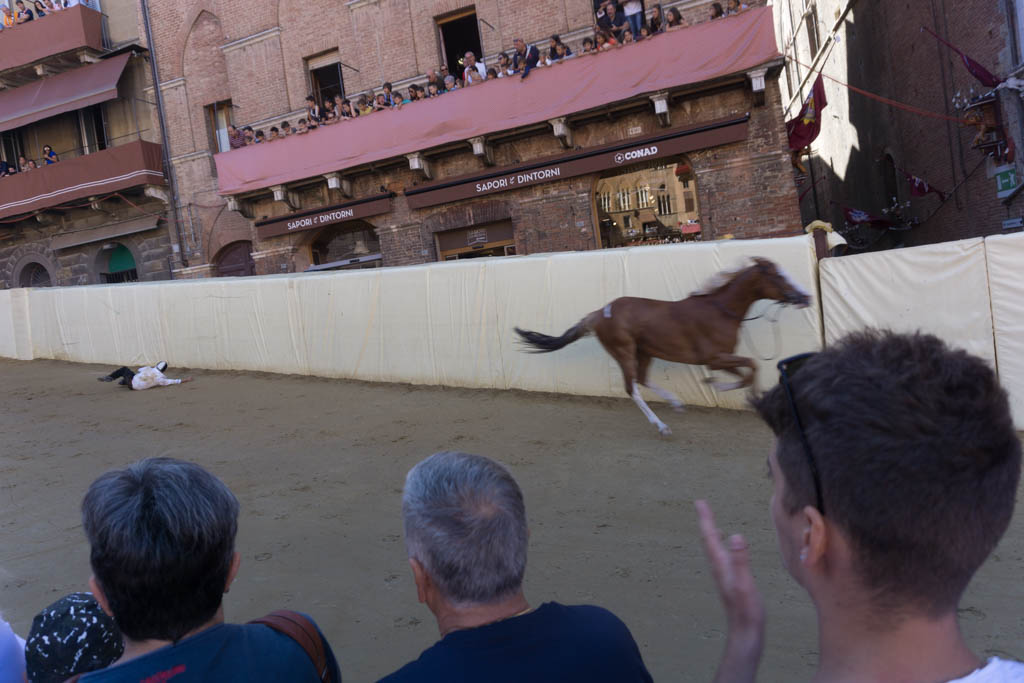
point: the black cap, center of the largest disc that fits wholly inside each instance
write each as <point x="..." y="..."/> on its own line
<point x="72" y="636"/>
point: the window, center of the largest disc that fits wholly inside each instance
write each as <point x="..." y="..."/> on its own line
<point x="458" y="33"/>
<point x="691" y="205"/>
<point x="664" y="203"/>
<point x="627" y="221"/>
<point x="92" y="129"/>
<point x="325" y="79"/>
<point x="686" y="184"/>
<point x="218" y="118"/>
<point x="604" y="200"/>
<point x="813" y="41"/>
<point x="624" y="200"/>
<point x="643" y="197"/>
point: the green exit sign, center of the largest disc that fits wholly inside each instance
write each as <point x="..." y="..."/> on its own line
<point x="1006" y="180"/>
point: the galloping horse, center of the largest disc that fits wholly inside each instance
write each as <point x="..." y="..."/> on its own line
<point x="699" y="330"/>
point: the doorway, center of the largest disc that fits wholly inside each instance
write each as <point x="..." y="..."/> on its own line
<point x="235" y="260"/>
<point x="459" y="33"/>
<point x="119" y="264"/>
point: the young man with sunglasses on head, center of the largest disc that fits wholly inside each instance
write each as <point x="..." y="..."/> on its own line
<point x="894" y="470"/>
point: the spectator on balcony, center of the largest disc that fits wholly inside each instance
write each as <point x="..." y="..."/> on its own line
<point x="313" y="124"/>
<point x="346" y="110"/>
<point x="450" y="84"/>
<point x="249" y="134"/>
<point x="504" y="65"/>
<point x="657" y="20"/>
<point x="604" y="40"/>
<point x="275" y="134"/>
<point x="8" y="19"/>
<point x="634" y="13"/>
<point x="380" y="102"/>
<point x="260" y="136"/>
<point x="22" y="163"/>
<point x="675" y="19"/>
<point x="49" y="156"/>
<point x="432" y="90"/>
<point x="613" y="21"/>
<point x="364" y="106"/>
<point x="492" y="75"/>
<point x="6" y="169"/>
<point x="716" y="10"/>
<point x="40" y="8"/>
<point x="303" y="127"/>
<point x="432" y="77"/>
<point x="525" y="58"/>
<point x="627" y="36"/>
<point x="588" y="45"/>
<point x="473" y="65"/>
<point x="236" y="138"/>
<point x="338" y="99"/>
<point x="645" y="32"/>
<point x="735" y="7"/>
<point x="330" y="115"/>
<point x="53" y="6"/>
<point x="553" y="44"/>
<point x="286" y="129"/>
<point x="389" y="95"/>
<point x="23" y="14"/>
<point x="313" y="111"/>
<point x="398" y="100"/>
<point x="473" y="77"/>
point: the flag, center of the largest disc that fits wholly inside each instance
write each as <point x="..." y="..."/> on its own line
<point x="977" y="70"/>
<point x="859" y="217"/>
<point x="919" y="187"/>
<point x="803" y="129"/>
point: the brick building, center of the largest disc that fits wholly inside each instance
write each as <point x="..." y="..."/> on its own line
<point x="73" y="81"/>
<point x="865" y="144"/>
<point x="399" y="187"/>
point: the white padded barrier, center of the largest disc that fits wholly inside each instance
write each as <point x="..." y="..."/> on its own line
<point x="1006" y="285"/>
<point x="445" y="323"/>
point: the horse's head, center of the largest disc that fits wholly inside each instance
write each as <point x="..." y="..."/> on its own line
<point x="773" y="283"/>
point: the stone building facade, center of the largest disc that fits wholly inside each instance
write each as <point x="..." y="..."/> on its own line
<point x="865" y="144"/>
<point x="254" y="63"/>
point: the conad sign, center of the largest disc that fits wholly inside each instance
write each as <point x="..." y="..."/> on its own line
<point x="669" y="143"/>
<point x="310" y="220"/>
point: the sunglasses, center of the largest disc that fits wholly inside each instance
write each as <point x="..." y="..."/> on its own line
<point x="788" y="368"/>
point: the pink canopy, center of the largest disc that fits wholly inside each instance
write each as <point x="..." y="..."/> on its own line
<point x="700" y="53"/>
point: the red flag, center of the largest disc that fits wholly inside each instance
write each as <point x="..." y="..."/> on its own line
<point x="919" y="187"/>
<point x="805" y="127"/>
<point x="858" y="217"/>
<point x="977" y="70"/>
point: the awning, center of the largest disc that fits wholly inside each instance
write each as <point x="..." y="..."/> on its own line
<point x="647" y="216"/>
<point x="68" y="91"/>
<point x="104" y="232"/>
<point x="698" y="54"/>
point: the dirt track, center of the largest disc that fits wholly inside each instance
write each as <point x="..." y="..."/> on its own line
<point x="318" y="466"/>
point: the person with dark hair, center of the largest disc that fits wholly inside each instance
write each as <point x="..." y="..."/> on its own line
<point x="286" y="129"/>
<point x="313" y="111"/>
<point x="22" y="14"/>
<point x="236" y="138"/>
<point x="301" y="127"/>
<point x="492" y="75"/>
<point x="716" y="10"/>
<point x="525" y="57"/>
<point x="466" y="537"/>
<point x="162" y="550"/>
<point x="735" y="7"/>
<point x="504" y="65"/>
<point x="388" y="97"/>
<point x="588" y="45"/>
<point x="657" y="20"/>
<point x="250" y="135"/>
<point x="475" y="71"/>
<point x="49" y="156"/>
<point x="329" y="112"/>
<point x="894" y="473"/>
<point x="612" y="21"/>
<point x="274" y="134"/>
<point x="675" y="19"/>
<point x="70" y="637"/>
<point x="147" y="377"/>
<point x="6" y="169"/>
<point x="260" y="136"/>
<point x="634" y="13"/>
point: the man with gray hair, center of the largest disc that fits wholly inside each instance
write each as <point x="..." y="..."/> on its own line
<point x="466" y="534"/>
<point x="162" y="537"/>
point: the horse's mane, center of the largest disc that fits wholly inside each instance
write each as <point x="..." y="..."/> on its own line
<point x="719" y="280"/>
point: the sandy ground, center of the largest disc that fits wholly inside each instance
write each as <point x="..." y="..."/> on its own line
<point x="318" y="466"/>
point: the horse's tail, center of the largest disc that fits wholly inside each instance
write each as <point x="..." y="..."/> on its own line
<point x="542" y="343"/>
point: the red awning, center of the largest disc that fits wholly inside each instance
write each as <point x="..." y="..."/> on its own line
<point x="697" y="54"/>
<point x="64" y="92"/>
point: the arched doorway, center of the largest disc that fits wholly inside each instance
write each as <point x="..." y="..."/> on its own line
<point x="235" y="260"/>
<point x="116" y="263"/>
<point x="345" y="246"/>
<point x="651" y="202"/>
<point x="34" y="274"/>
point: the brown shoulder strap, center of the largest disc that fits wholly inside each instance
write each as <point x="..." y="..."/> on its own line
<point x="302" y="631"/>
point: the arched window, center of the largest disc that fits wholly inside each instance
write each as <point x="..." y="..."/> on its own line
<point x="34" y="275"/>
<point x="117" y="264"/>
<point x="647" y="203"/>
<point x="235" y="260"/>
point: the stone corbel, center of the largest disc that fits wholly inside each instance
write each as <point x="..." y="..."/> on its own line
<point x="87" y="58"/>
<point x="46" y="218"/>
<point x="757" y="84"/>
<point x="157" y="192"/>
<point x="482" y="150"/>
<point x="417" y="162"/>
<point x="562" y="131"/>
<point x="660" y="100"/>
<point x="239" y="205"/>
<point x="281" y="194"/>
<point x="43" y="70"/>
<point x="335" y="181"/>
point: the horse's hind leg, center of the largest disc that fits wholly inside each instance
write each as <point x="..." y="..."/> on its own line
<point x="624" y="352"/>
<point x="732" y="364"/>
<point x="643" y="365"/>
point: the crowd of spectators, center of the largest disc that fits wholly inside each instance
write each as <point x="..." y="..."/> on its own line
<point x="30" y="10"/>
<point x="617" y="23"/>
<point x="883" y="520"/>
<point x="25" y="165"/>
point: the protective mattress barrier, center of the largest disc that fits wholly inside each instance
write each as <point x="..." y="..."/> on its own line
<point x="1006" y="287"/>
<point x="445" y="324"/>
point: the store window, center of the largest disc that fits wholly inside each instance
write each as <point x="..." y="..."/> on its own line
<point x="655" y="202"/>
<point x="346" y="246"/>
<point x="492" y="239"/>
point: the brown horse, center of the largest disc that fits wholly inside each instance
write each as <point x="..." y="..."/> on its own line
<point x="699" y="330"/>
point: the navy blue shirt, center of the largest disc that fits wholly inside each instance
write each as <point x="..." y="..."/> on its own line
<point x="224" y="653"/>
<point x="556" y="643"/>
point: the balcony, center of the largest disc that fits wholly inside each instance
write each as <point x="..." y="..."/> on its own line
<point x="78" y="182"/>
<point x="52" y="44"/>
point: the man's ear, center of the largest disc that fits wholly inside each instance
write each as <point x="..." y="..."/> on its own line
<point x="236" y="562"/>
<point x="101" y="597"/>
<point x="422" y="579"/>
<point x="814" y="540"/>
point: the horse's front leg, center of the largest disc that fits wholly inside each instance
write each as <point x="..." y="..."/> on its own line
<point x="732" y="363"/>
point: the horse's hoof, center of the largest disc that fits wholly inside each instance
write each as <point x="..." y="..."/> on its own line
<point x="664" y="430"/>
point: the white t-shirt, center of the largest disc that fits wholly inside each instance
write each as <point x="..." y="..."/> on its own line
<point x="632" y="7"/>
<point x="480" y="68"/>
<point x="147" y="378"/>
<point x="12" y="655"/>
<point x="995" y="671"/>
